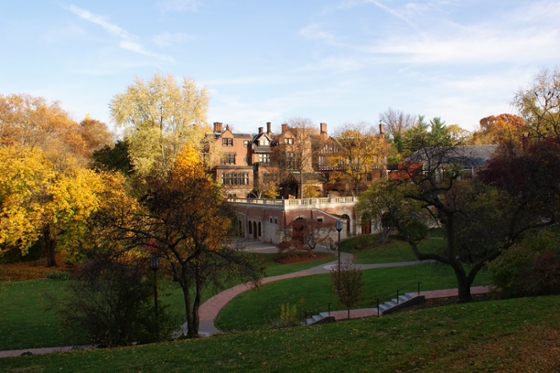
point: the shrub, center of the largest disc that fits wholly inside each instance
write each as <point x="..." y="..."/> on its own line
<point x="111" y="301"/>
<point x="531" y="268"/>
<point x="347" y="284"/>
<point x="289" y="315"/>
<point x="60" y="276"/>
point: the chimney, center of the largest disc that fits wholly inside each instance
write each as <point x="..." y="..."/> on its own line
<point x="323" y="128"/>
<point x="260" y="130"/>
<point x="284" y="128"/>
<point x="218" y="127"/>
<point x="268" y="130"/>
<point x="381" y="129"/>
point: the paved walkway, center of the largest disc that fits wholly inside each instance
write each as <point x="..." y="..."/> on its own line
<point x="209" y="310"/>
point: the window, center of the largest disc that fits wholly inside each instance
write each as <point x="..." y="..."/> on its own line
<point x="227" y="142"/>
<point x="228" y="158"/>
<point x="246" y="143"/>
<point x="320" y="219"/>
<point x="269" y="177"/>
<point x="292" y="160"/>
<point x="288" y="141"/>
<point x="235" y="178"/>
<point x="264" y="158"/>
<point x="264" y="142"/>
<point x="246" y="160"/>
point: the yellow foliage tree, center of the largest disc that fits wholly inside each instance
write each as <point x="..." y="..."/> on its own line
<point x="39" y="201"/>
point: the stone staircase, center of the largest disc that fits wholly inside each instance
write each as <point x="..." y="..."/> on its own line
<point x="322" y="318"/>
<point x="404" y="300"/>
<point x="393" y="305"/>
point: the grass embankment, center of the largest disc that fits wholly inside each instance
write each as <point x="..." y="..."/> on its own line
<point x="519" y="335"/>
<point x="259" y="309"/>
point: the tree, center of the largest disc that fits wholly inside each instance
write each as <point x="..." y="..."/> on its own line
<point x="185" y="220"/>
<point x="294" y="150"/>
<point x="305" y="235"/>
<point x="539" y="105"/>
<point x="479" y="221"/>
<point x="110" y="301"/>
<point x="396" y="124"/>
<point x="422" y="134"/>
<point x="38" y="201"/>
<point x="115" y="158"/>
<point x="347" y="284"/>
<point x="360" y="151"/>
<point x="34" y="123"/>
<point x="501" y="129"/>
<point x="159" y="117"/>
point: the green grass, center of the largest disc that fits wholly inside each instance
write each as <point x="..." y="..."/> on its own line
<point x="519" y="335"/>
<point x="274" y="269"/>
<point x="259" y="309"/>
<point x="25" y="321"/>
<point x="396" y="250"/>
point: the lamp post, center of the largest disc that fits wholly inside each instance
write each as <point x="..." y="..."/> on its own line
<point x="154" y="265"/>
<point x="339" y="228"/>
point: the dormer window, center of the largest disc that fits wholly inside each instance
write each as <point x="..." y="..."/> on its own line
<point x="264" y="142"/>
<point x="288" y="141"/>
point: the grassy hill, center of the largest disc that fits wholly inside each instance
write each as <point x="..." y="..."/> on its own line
<point x="518" y="335"/>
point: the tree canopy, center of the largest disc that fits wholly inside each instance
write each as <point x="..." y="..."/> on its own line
<point x="159" y="117"/>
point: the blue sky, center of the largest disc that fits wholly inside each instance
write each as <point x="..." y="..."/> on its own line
<point x="333" y="61"/>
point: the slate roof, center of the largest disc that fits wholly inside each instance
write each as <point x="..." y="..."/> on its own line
<point x="468" y="156"/>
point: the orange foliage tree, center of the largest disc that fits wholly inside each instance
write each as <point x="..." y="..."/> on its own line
<point x="501" y="129"/>
<point x="185" y="220"/>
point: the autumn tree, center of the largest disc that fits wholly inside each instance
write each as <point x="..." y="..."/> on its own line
<point x="40" y="201"/>
<point x="159" y="117"/>
<point x="305" y="235"/>
<point x="360" y="151"/>
<point x="501" y="129"/>
<point x="35" y="123"/>
<point x="396" y="122"/>
<point x="294" y="150"/>
<point x="539" y="105"/>
<point x="347" y="284"/>
<point x="185" y="220"/>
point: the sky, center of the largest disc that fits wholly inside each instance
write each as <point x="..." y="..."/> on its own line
<point x="332" y="61"/>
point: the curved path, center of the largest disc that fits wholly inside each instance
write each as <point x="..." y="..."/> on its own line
<point x="209" y="310"/>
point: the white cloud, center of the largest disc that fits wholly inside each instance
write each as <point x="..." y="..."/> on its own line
<point x="179" y="5"/>
<point x="167" y="39"/>
<point x="127" y="41"/>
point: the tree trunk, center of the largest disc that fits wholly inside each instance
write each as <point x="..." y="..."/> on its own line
<point x="463" y="287"/>
<point x="50" y="246"/>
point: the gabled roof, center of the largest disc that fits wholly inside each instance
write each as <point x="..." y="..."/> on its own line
<point x="468" y="156"/>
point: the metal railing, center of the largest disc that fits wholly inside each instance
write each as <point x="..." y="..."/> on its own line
<point x="308" y="312"/>
<point x="397" y="291"/>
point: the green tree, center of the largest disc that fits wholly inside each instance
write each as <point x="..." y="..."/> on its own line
<point x="159" y="117"/>
<point x="479" y="221"/>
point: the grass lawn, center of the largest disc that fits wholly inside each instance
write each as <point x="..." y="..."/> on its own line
<point x="519" y="335"/>
<point x="24" y="320"/>
<point x="397" y="250"/>
<point x="258" y="309"/>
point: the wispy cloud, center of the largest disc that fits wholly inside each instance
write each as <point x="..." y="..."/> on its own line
<point x="127" y="40"/>
<point x="179" y="5"/>
<point x="167" y="39"/>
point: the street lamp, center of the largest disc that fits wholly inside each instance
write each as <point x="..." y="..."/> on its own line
<point x="339" y="228"/>
<point x="154" y="265"/>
